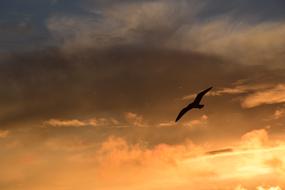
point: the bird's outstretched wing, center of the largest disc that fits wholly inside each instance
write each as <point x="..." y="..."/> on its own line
<point x="182" y="112"/>
<point x="200" y="95"/>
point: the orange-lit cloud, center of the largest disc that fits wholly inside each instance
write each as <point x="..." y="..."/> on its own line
<point x="135" y="119"/>
<point x="258" y="188"/>
<point x="117" y="164"/>
<point x="236" y="90"/>
<point x="202" y="121"/>
<point x="64" y="123"/>
<point x="255" y="138"/>
<point x="273" y="95"/>
<point x="269" y="188"/>
<point x="279" y="113"/>
<point x="167" y="124"/>
<point x="254" y="95"/>
<point x="93" y="122"/>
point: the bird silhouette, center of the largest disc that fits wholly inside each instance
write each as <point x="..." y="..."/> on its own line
<point x="194" y="104"/>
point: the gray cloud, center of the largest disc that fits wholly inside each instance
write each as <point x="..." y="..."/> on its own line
<point x="51" y="84"/>
<point x="108" y="83"/>
<point x="237" y="41"/>
<point x="144" y="23"/>
<point x="172" y="25"/>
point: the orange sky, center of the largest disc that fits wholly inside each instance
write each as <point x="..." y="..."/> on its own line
<point x="95" y="108"/>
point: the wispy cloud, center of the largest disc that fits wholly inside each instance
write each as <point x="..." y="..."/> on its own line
<point x="240" y="187"/>
<point x="238" y="89"/>
<point x="278" y="114"/>
<point x="241" y="42"/>
<point x="172" y="25"/>
<point x="167" y="124"/>
<point x="255" y="139"/>
<point x="64" y="123"/>
<point x="253" y="95"/>
<point x="132" y="23"/>
<point x="202" y="121"/>
<point x="135" y="119"/>
<point x="93" y="122"/>
<point x="274" y="95"/>
<point x="269" y="188"/>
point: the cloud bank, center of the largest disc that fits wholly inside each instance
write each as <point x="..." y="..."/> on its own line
<point x="78" y="162"/>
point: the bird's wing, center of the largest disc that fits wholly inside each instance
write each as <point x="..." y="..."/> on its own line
<point x="182" y="112"/>
<point x="200" y="95"/>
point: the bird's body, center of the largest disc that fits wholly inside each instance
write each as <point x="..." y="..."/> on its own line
<point x="194" y="104"/>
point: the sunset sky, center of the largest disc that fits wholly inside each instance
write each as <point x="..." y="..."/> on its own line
<point x="90" y="89"/>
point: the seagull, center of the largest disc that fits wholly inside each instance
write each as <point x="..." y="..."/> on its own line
<point x="194" y="104"/>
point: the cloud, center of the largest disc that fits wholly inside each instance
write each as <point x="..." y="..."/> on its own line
<point x="270" y="188"/>
<point x="253" y="95"/>
<point x="4" y="133"/>
<point x="274" y="95"/>
<point x="51" y="89"/>
<point x="147" y="23"/>
<point x="237" y="41"/>
<point x="236" y="90"/>
<point x="77" y="160"/>
<point x="220" y="151"/>
<point x="135" y="119"/>
<point x="259" y="188"/>
<point x="202" y="121"/>
<point x="64" y="123"/>
<point x="279" y="113"/>
<point x="239" y="187"/>
<point x="167" y="124"/>
<point x="186" y="159"/>
<point x="93" y="122"/>
<point x="47" y="84"/>
<point x="256" y="138"/>
<point x="276" y="164"/>
<point x="172" y="25"/>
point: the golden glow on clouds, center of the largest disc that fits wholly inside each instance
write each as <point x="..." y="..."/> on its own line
<point x="236" y="89"/>
<point x="135" y="119"/>
<point x="94" y="122"/>
<point x="65" y="123"/>
<point x="279" y="113"/>
<point x="202" y="121"/>
<point x="269" y="96"/>
<point x="257" y="95"/>
<point x="256" y="162"/>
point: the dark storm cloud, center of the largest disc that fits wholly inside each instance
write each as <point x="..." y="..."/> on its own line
<point x="42" y="85"/>
<point x="46" y="83"/>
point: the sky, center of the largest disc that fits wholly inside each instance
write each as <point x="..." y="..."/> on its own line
<point x="90" y="89"/>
